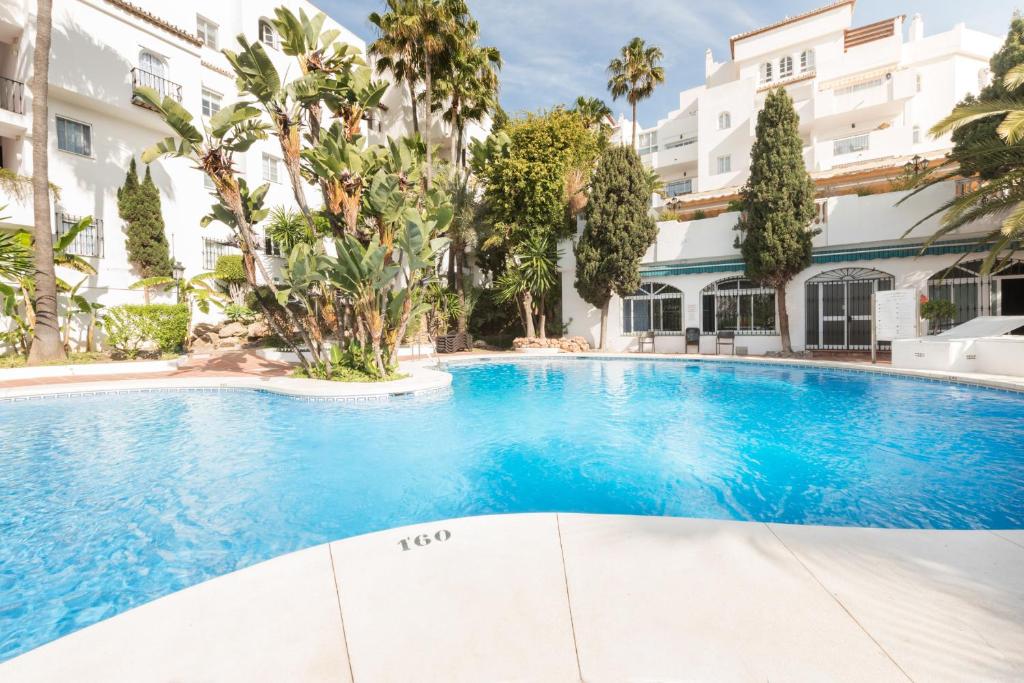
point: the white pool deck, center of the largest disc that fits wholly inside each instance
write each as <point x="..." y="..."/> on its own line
<point x="568" y="597"/>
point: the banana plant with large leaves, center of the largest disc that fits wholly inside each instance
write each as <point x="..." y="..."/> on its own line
<point x="341" y="166"/>
<point x="232" y="130"/>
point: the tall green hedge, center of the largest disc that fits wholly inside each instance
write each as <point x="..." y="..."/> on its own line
<point x="130" y="327"/>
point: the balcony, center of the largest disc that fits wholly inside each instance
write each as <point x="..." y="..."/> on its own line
<point x="12" y="95"/>
<point x="144" y="79"/>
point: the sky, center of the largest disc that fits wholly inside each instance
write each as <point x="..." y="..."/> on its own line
<point x="556" y="50"/>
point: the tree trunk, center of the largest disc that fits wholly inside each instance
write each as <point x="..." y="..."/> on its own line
<point x="528" y="313"/>
<point x="780" y="299"/>
<point x="46" y="344"/>
<point x="415" y="108"/>
<point x="426" y="120"/>
<point x="542" y="316"/>
<point x="460" y="160"/>
<point x="452" y="265"/>
<point x="604" y="326"/>
<point x="634" y="125"/>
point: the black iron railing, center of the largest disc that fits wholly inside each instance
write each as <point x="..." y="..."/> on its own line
<point x="12" y="95"/>
<point x="214" y="249"/>
<point x="89" y="242"/>
<point x="144" y="79"/>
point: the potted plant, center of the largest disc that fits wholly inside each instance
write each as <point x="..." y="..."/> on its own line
<point x="939" y="313"/>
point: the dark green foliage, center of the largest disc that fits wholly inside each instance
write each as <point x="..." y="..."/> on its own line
<point x="778" y="198"/>
<point x="230" y="269"/>
<point x="619" y="228"/>
<point x="973" y="143"/>
<point x="138" y="204"/>
<point x="130" y="327"/>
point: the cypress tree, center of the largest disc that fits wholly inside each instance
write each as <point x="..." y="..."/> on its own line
<point x="778" y="204"/>
<point x="138" y="205"/>
<point x="618" y="232"/>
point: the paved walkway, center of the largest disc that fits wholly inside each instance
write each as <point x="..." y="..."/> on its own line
<point x="567" y="597"/>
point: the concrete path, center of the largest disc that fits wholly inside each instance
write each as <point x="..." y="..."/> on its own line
<point x="566" y="597"/>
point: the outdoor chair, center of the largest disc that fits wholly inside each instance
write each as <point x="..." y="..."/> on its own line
<point x="692" y="339"/>
<point x="725" y="338"/>
<point x="646" y="340"/>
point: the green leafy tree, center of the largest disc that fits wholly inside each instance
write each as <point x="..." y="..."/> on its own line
<point x="594" y="111"/>
<point x="618" y="232"/>
<point x="778" y="204"/>
<point x="635" y="73"/>
<point x="977" y="146"/>
<point x="138" y="204"/>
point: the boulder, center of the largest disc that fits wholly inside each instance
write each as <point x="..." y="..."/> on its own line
<point x="202" y="346"/>
<point x="233" y="330"/>
<point x="565" y="344"/>
<point x="258" y="330"/>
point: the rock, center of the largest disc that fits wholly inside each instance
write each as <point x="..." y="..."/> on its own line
<point x="565" y="344"/>
<point x="211" y="337"/>
<point x="200" y="330"/>
<point x="202" y="346"/>
<point x="258" y="330"/>
<point x="233" y="330"/>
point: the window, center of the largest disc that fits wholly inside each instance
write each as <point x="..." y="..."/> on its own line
<point x="681" y="142"/>
<point x="270" y="168"/>
<point x="918" y="81"/>
<point x="211" y="102"/>
<point x="89" y="242"/>
<point x="648" y="142"/>
<point x="74" y="136"/>
<point x="806" y="61"/>
<point x="857" y="143"/>
<point x="271" y="246"/>
<point x="857" y="87"/>
<point x="678" y="187"/>
<point x="207" y="32"/>
<point x="724" y="164"/>
<point x="213" y="250"/>
<point x="737" y="304"/>
<point x="766" y="72"/>
<point x="724" y="121"/>
<point x="152" y="64"/>
<point x="654" y="307"/>
<point x="917" y="135"/>
<point x="786" y="67"/>
<point x="268" y="36"/>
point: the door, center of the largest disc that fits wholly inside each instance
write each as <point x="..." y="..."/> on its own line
<point x="839" y="313"/>
<point x="1011" y="296"/>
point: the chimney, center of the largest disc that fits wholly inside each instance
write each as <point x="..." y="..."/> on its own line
<point x="916" y="28"/>
<point x="709" y="63"/>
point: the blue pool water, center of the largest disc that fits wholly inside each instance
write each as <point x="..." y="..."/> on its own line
<point x="107" y="502"/>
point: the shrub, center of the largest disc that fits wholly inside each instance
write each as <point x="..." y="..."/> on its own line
<point x="229" y="269"/>
<point x="239" y="314"/>
<point x="938" y="309"/>
<point x="131" y="327"/>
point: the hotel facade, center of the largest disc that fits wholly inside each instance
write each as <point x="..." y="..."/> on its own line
<point x="867" y="97"/>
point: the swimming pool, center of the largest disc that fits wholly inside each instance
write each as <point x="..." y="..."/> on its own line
<point x="110" y="501"/>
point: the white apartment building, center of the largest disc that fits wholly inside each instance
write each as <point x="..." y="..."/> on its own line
<point x="866" y="97"/>
<point x="102" y="49"/>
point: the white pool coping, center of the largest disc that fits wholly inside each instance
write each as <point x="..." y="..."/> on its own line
<point x="422" y="379"/>
<point x="91" y="369"/>
<point x="570" y="597"/>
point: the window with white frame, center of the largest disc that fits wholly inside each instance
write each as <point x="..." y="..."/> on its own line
<point x="807" y="60"/>
<point x="213" y="250"/>
<point x="723" y="164"/>
<point x="648" y="142"/>
<point x="917" y="135"/>
<point x="856" y="143"/>
<point x="74" y="136"/>
<point x="679" y="187"/>
<point x="737" y="304"/>
<point x="152" y="64"/>
<point x="766" y="72"/>
<point x="724" y="121"/>
<point x="268" y="36"/>
<point x="786" y="67"/>
<point x="206" y="30"/>
<point x="655" y="307"/>
<point x="211" y="102"/>
<point x="858" y="87"/>
<point x="270" y="168"/>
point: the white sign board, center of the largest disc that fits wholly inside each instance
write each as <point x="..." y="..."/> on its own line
<point x="895" y="314"/>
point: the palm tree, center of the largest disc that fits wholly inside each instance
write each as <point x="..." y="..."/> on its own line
<point x="395" y="51"/>
<point x="469" y="86"/>
<point x="1002" y="196"/>
<point x="46" y="343"/>
<point x="635" y="73"/>
<point x="594" y="111"/>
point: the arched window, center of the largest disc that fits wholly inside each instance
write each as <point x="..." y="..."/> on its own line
<point x="766" y="72"/>
<point x="739" y="304"/>
<point x="786" y="67"/>
<point x="152" y="64"/>
<point x="268" y="36"/>
<point x="807" y="60"/>
<point x="655" y="306"/>
<point x="724" y="121"/>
